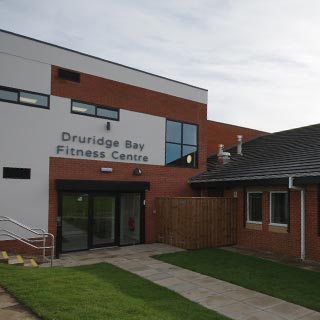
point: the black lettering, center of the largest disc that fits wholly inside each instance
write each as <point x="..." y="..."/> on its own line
<point x="82" y="139"/>
<point x="116" y="143"/>
<point x="108" y="143"/>
<point x="128" y="144"/>
<point x="102" y="155"/>
<point x="74" y="138"/>
<point x="60" y="149"/>
<point x="79" y="153"/>
<point x="100" y="141"/>
<point x="129" y="157"/>
<point x="72" y="151"/>
<point x="122" y="156"/>
<point x="145" y="159"/>
<point x="95" y="154"/>
<point x="88" y="153"/>
<point x="66" y="136"/>
<point x="114" y="154"/>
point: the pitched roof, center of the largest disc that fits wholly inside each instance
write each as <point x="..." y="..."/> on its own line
<point x="290" y="153"/>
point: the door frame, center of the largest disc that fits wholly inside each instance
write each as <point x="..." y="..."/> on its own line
<point x="91" y="194"/>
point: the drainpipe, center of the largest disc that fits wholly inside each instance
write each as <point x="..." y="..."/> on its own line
<point x="302" y="218"/>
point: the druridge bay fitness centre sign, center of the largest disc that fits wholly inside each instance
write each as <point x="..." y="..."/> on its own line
<point x="112" y="149"/>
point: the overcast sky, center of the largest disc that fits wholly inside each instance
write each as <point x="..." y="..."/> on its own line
<point x="260" y="60"/>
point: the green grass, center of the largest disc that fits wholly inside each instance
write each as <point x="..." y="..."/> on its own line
<point x="282" y="281"/>
<point x="99" y="291"/>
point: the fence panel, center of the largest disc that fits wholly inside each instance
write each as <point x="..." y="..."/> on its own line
<point x="194" y="223"/>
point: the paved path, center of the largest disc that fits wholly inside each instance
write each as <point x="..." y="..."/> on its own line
<point x="226" y="298"/>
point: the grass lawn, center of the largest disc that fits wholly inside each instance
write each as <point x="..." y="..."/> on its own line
<point x="99" y="291"/>
<point x="285" y="282"/>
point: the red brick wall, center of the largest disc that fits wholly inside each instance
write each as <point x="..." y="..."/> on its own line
<point x="164" y="181"/>
<point x="287" y="243"/>
<point x="222" y="133"/>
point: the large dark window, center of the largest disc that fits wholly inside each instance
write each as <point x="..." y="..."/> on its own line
<point x="92" y="110"/>
<point x="28" y="98"/>
<point x="254" y="207"/>
<point x="69" y="75"/>
<point x="16" y="173"/>
<point x="279" y="211"/>
<point x="181" y="144"/>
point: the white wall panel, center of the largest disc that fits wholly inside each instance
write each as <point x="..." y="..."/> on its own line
<point x="48" y="54"/>
<point x="29" y="136"/>
<point x="24" y="74"/>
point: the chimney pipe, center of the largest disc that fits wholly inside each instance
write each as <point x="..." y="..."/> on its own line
<point x="223" y="157"/>
<point x="239" y="144"/>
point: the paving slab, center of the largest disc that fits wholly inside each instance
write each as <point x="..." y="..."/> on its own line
<point x="263" y="301"/>
<point x="289" y="311"/>
<point x="236" y="310"/>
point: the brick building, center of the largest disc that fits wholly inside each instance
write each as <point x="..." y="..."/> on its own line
<point x="275" y="179"/>
<point x="87" y="144"/>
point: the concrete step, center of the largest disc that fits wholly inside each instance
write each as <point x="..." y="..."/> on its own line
<point x="4" y="257"/>
<point x="17" y="260"/>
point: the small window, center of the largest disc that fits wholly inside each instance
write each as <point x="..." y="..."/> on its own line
<point x="69" y="75"/>
<point x="279" y="208"/>
<point x="181" y="144"/>
<point x="8" y="95"/>
<point x="94" y="110"/>
<point x="38" y="100"/>
<point x="16" y="173"/>
<point x="254" y="207"/>
<point x="24" y="97"/>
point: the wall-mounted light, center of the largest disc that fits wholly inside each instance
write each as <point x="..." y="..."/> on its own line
<point x="136" y="172"/>
<point x="107" y="170"/>
<point x="108" y="126"/>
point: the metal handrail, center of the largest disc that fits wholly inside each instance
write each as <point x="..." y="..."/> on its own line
<point x="43" y="234"/>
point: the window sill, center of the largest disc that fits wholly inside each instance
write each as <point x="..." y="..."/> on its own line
<point x="253" y="225"/>
<point x="278" y="228"/>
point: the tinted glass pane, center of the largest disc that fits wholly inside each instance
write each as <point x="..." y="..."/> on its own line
<point x="32" y="98"/>
<point x="106" y="113"/>
<point x="173" y="133"/>
<point x="189" y="156"/>
<point x="255" y="207"/>
<point x="173" y="154"/>
<point x="130" y="218"/>
<point x="279" y="208"/>
<point x="103" y="220"/>
<point x="74" y="222"/>
<point x="189" y="134"/>
<point x="84" y="108"/>
<point x="8" y="95"/>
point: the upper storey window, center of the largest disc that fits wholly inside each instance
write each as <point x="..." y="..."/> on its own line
<point x="24" y="97"/>
<point x="181" y="144"/>
<point x="69" y="75"/>
<point x="93" y="110"/>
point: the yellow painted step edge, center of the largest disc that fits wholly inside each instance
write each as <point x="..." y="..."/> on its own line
<point x="34" y="264"/>
<point x="20" y="260"/>
<point x="4" y="255"/>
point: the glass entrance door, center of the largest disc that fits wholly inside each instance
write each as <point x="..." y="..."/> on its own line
<point x="74" y="222"/>
<point x="103" y="220"/>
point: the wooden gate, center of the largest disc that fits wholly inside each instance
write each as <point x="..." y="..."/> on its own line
<point x="194" y="223"/>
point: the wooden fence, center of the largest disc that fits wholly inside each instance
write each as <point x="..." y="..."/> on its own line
<point x="194" y="223"/>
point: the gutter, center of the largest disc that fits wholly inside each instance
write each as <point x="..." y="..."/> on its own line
<point x="302" y="217"/>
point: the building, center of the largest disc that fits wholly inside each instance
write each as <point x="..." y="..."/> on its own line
<point x="87" y="144"/>
<point x="275" y="179"/>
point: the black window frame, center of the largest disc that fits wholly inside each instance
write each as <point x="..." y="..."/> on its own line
<point x="287" y="207"/>
<point x="181" y="144"/>
<point x="18" y="91"/>
<point x="248" y="220"/>
<point x="97" y="106"/>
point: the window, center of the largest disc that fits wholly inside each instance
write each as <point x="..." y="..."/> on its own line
<point x="181" y="144"/>
<point x="93" y="110"/>
<point x="16" y="173"/>
<point x="24" y="97"/>
<point x="254" y="207"/>
<point x="69" y="75"/>
<point x="279" y="212"/>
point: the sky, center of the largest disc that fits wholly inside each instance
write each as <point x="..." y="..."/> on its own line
<point x="259" y="60"/>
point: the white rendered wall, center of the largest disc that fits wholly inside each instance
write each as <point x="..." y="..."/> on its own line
<point x="51" y="55"/>
<point x="24" y="74"/>
<point x="29" y="136"/>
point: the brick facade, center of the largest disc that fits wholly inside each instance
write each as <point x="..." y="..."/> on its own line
<point x="280" y="240"/>
<point x="226" y="134"/>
